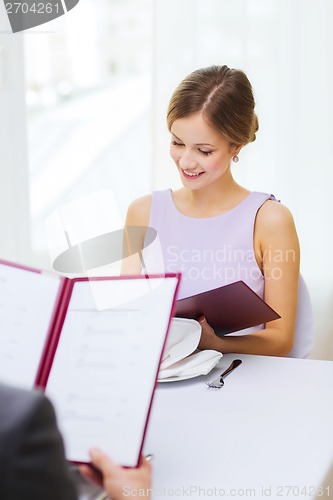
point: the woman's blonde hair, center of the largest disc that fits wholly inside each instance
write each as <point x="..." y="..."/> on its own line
<point x="224" y="96"/>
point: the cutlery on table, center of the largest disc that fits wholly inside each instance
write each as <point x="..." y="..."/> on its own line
<point x="102" y="496"/>
<point x="219" y="382"/>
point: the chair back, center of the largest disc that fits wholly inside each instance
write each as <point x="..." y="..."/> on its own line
<point x="304" y="335"/>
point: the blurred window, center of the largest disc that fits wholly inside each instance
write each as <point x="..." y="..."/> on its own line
<point x="88" y="97"/>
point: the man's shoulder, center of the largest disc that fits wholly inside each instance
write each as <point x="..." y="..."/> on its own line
<point x="19" y="406"/>
<point x="31" y="447"/>
<point x="14" y="399"/>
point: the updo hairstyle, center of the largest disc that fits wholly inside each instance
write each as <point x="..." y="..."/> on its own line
<point x="224" y="96"/>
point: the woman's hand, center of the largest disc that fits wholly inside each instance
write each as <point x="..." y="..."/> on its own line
<point x="117" y="481"/>
<point x="209" y="339"/>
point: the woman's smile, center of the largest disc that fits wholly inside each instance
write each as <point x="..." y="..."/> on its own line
<point x="190" y="175"/>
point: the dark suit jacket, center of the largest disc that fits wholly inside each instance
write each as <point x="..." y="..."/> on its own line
<point x="32" y="462"/>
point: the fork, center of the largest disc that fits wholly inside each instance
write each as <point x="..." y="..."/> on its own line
<point x="219" y="382"/>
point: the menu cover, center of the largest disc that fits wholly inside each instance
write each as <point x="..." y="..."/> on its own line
<point x="228" y="308"/>
<point x="94" y="345"/>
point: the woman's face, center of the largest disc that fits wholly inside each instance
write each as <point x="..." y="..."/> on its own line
<point x="201" y="154"/>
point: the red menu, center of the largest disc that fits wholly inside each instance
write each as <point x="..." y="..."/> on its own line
<point x="228" y="308"/>
<point x="94" y="345"/>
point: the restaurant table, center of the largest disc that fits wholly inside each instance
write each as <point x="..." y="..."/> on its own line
<point x="268" y="433"/>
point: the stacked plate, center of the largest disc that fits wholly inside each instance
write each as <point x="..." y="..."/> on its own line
<point x="181" y="359"/>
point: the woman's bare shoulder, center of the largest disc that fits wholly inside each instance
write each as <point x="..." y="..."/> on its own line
<point x="139" y="211"/>
<point x="275" y="227"/>
<point x="273" y="216"/>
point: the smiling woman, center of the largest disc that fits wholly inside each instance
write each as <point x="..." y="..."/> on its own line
<point x="211" y="117"/>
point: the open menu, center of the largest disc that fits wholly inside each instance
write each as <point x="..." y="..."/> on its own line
<point x="94" y="345"/>
<point x="228" y="308"/>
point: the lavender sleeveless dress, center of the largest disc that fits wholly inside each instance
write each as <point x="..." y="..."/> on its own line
<point x="209" y="252"/>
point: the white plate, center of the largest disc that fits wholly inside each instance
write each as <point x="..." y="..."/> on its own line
<point x="182" y="377"/>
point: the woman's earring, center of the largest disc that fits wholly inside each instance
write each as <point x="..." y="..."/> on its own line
<point x="235" y="158"/>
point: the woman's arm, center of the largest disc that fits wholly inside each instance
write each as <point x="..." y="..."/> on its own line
<point x="137" y="217"/>
<point x="276" y="244"/>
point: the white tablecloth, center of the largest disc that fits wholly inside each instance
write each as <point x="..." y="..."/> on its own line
<point x="267" y="433"/>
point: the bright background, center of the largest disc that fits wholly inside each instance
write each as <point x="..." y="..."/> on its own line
<point x="83" y="102"/>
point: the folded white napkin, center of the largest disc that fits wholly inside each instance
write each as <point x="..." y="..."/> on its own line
<point x="183" y="339"/>
<point x="199" y="363"/>
<point x="180" y="359"/>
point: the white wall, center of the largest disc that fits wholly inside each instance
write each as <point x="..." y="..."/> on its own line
<point x="14" y="199"/>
